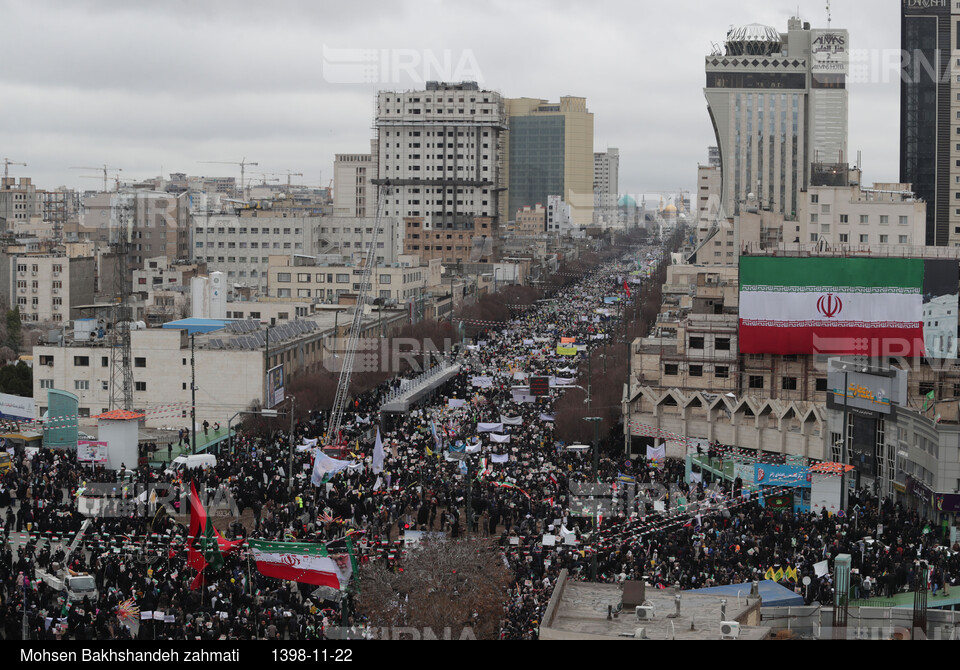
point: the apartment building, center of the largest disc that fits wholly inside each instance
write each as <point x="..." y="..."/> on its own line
<point x="606" y="183"/>
<point x="304" y="279"/>
<point x="47" y="288"/>
<point x="19" y="202"/>
<point x="441" y="151"/>
<point x="354" y="191"/>
<point x="887" y="214"/>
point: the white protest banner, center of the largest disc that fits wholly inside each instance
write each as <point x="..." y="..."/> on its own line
<point x="483" y="382"/>
<point x="511" y="420"/>
<point x="489" y="427"/>
<point x="499" y="458"/>
<point x="500" y="439"/>
<point x="454" y="403"/>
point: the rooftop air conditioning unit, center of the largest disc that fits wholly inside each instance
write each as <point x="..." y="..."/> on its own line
<point x="729" y="630"/>
<point x="644" y="613"/>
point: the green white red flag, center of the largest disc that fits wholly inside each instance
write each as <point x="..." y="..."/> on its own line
<point x="831" y="305"/>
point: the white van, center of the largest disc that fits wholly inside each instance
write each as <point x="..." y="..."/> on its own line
<point x="191" y="462"/>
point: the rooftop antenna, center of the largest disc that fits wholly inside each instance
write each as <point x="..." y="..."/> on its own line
<point x="829" y="15"/>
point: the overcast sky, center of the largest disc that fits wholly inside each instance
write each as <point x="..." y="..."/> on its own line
<point x="165" y="85"/>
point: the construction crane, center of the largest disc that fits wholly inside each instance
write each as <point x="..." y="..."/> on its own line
<point x="288" y="174"/>
<point x="243" y="169"/>
<point x="103" y="167"/>
<point x="264" y="175"/>
<point x="116" y="179"/>
<point x="6" y="166"/>
<point x="346" y="371"/>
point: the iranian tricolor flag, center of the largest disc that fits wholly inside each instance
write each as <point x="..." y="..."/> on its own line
<point x="301" y="562"/>
<point x="831" y="306"/>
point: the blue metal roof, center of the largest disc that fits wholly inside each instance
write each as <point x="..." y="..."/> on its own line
<point x="772" y="593"/>
<point x="193" y="325"/>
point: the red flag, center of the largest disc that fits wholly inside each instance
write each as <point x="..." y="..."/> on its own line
<point x="626" y="287"/>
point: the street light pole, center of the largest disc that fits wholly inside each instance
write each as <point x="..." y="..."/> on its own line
<point x="293" y="406"/>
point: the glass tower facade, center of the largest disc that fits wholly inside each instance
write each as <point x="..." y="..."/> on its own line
<point x="537" y="150"/>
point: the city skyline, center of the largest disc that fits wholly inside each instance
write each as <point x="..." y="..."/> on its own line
<point x="147" y="89"/>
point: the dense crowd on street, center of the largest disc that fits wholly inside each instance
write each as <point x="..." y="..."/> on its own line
<point x="518" y="483"/>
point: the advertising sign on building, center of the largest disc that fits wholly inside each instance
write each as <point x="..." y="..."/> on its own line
<point x="275" y="393"/>
<point x="830" y="52"/>
<point x="873" y="391"/>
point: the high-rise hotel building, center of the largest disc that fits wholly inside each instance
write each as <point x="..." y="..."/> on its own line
<point x="778" y="103"/>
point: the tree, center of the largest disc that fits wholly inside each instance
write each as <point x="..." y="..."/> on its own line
<point x="16" y="379"/>
<point x="455" y="587"/>
<point x="13" y="339"/>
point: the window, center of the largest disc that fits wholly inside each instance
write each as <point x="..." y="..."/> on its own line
<point x="864" y="218"/>
<point x="722" y="344"/>
<point x="283" y="293"/>
<point x="902" y="239"/>
<point x="385" y="279"/>
<point x="844" y="218"/>
<point x="696" y="370"/>
<point x="904" y="220"/>
<point x="884" y="219"/>
<point x="81" y="361"/>
<point x="821" y="383"/>
<point x="844" y="238"/>
<point x="864" y="239"/>
<point x="883" y="239"/>
<point x="139" y="386"/>
<point x="343" y="279"/>
<point x="46" y="383"/>
<point x="814" y="198"/>
<point x="721" y="372"/>
<point x="139" y="362"/>
<point x="303" y="277"/>
<point x="104" y="361"/>
<point x="756" y="381"/>
<point x="671" y="369"/>
<point x="696" y="343"/>
<point x="789" y="384"/>
<point x="283" y="277"/>
<point x="81" y="385"/>
<point x="814" y="218"/>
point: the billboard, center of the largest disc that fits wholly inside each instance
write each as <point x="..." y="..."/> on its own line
<point x="873" y="391"/>
<point x="275" y="393"/>
<point x="766" y="474"/>
<point x="16" y="407"/>
<point x="91" y="452"/>
<point x="877" y="307"/>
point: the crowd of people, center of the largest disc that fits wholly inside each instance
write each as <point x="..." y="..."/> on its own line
<point x="517" y="477"/>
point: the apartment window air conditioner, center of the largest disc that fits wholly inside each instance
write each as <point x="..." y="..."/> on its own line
<point x="729" y="630"/>
<point x="644" y="613"/>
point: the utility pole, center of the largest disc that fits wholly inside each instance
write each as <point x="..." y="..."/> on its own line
<point x="193" y="396"/>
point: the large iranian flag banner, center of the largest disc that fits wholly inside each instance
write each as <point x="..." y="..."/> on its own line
<point x="831" y="306"/>
<point x="301" y="562"/>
